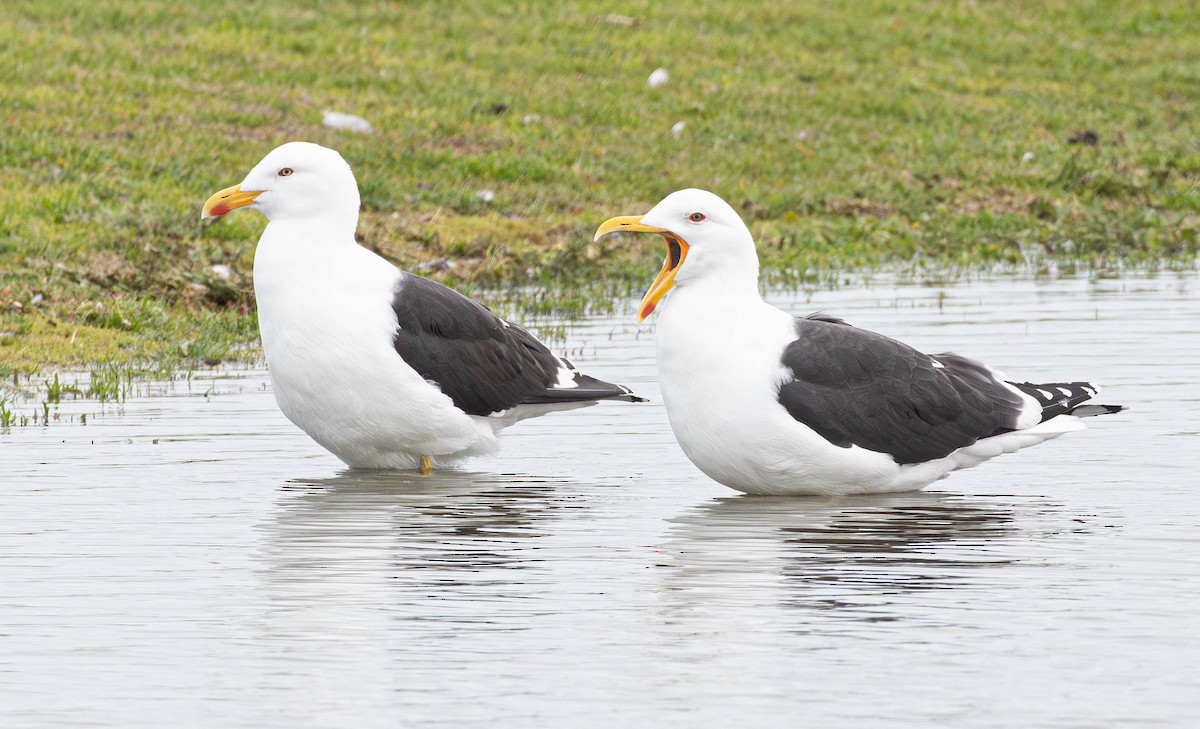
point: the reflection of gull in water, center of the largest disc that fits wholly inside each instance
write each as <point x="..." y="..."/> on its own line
<point x="868" y="554"/>
<point x="386" y="521"/>
<point x="364" y="551"/>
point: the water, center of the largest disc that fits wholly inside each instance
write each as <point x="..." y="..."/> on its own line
<point x="190" y="559"/>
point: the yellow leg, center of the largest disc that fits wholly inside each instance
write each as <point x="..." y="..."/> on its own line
<point x="426" y="467"/>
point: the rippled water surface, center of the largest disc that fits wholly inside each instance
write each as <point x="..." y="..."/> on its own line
<point x="189" y="558"/>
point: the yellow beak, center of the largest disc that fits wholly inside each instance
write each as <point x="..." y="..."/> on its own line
<point x="677" y="250"/>
<point x="231" y="198"/>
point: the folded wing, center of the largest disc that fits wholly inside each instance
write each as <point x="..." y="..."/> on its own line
<point x="483" y="363"/>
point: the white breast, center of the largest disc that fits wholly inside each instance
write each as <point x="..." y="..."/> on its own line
<point x="327" y="327"/>
<point x="720" y="371"/>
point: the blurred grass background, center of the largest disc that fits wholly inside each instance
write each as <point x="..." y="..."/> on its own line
<point x="911" y="134"/>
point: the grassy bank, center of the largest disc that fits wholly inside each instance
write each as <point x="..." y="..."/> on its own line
<point x="856" y="134"/>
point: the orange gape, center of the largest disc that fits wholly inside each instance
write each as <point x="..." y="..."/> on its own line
<point x="677" y="250"/>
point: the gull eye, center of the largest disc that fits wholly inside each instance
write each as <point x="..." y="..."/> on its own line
<point x="697" y="217"/>
<point x="286" y="172"/>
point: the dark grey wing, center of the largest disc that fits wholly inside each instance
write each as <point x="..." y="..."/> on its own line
<point x="855" y="387"/>
<point x="481" y="361"/>
<point x="822" y="316"/>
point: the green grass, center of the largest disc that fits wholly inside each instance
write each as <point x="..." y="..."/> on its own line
<point x="904" y="134"/>
<point x="7" y="417"/>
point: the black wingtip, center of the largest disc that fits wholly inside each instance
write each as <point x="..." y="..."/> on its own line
<point x="579" y="395"/>
<point x="587" y="389"/>
<point x="1090" y="409"/>
<point x="1066" y="398"/>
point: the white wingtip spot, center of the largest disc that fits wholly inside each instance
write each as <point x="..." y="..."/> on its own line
<point x="566" y="379"/>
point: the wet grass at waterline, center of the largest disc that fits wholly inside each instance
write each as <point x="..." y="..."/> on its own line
<point x="922" y="137"/>
<point x="39" y="401"/>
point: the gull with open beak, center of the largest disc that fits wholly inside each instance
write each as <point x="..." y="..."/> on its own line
<point x="769" y="403"/>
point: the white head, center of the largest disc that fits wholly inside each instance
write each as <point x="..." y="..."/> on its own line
<point x="701" y="230"/>
<point x="296" y="181"/>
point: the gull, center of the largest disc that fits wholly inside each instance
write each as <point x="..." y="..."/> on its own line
<point x="769" y="403"/>
<point x="383" y="368"/>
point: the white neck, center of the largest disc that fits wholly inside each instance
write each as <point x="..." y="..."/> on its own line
<point x="310" y="238"/>
<point x="297" y="255"/>
<point x="715" y="299"/>
<point x="733" y="277"/>
<point x="336" y="220"/>
<point x="721" y="269"/>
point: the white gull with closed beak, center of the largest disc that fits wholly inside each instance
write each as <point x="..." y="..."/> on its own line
<point x="382" y="367"/>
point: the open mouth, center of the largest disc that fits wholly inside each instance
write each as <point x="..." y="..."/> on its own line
<point x="674" y="251"/>
<point x="677" y="250"/>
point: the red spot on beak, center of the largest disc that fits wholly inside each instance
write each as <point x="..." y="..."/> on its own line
<point x="219" y="210"/>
